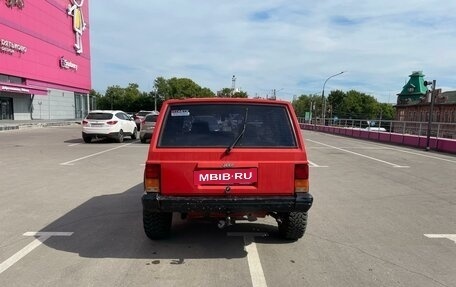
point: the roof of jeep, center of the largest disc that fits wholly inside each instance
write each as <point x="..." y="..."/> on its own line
<point x="227" y="100"/>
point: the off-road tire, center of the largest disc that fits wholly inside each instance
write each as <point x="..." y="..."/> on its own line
<point x="157" y="225"/>
<point x="134" y="135"/>
<point x="120" y="137"/>
<point x="292" y="226"/>
<point x="87" y="139"/>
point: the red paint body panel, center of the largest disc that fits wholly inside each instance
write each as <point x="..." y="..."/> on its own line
<point x="275" y="166"/>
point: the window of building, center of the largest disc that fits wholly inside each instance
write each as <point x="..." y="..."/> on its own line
<point x="11" y="79"/>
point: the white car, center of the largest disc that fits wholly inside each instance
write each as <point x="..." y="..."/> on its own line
<point x="375" y="129"/>
<point x="108" y="124"/>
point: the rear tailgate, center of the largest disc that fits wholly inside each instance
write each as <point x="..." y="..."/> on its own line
<point x="226" y="147"/>
<point x="237" y="174"/>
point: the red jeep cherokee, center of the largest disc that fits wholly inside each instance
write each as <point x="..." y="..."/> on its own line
<point x="228" y="159"/>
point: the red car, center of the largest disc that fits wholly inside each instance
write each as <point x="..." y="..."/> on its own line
<point x="229" y="159"/>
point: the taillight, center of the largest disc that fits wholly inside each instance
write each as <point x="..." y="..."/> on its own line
<point x="111" y="122"/>
<point x="152" y="178"/>
<point x="301" y="178"/>
<point x="84" y="122"/>
<point x="143" y="122"/>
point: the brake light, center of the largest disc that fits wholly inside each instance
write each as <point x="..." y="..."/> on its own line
<point x="301" y="178"/>
<point x="152" y="178"/>
<point x="301" y="171"/>
<point x="143" y="121"/>
<point x="84" y="122"/>
<point x="111" y="122"/>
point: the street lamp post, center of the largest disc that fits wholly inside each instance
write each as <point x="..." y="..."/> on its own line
<point x="431" y="107"/>
<point x="155" y="99"/>
<point x="323" y="95"/>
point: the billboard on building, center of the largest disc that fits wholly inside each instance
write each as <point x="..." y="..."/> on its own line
<point x="46" y="42"/>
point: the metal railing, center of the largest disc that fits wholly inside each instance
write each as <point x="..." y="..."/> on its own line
<point x="438" y="130"/>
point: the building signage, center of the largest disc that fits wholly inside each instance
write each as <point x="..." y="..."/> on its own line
<point x="67" y="64"/>
<point x="79" y="25"/>
<point x="15" y="3"/>
<point x="11" y="47"/>
<point x="14" y="89"/>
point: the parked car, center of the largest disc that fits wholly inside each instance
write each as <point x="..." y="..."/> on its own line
<point x="147" y="126"/>
<point x="251" y="165"/>
<point x="375" y="129"/>
<point x="108" y="124"/>
<point x="139" y="116"/>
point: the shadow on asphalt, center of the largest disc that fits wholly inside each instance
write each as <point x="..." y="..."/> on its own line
<point x="110" y="226"/>
<point x="101" y="141"/>
<point x="78" y="140"/>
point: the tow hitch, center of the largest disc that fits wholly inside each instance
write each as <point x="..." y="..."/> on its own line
<point x="225" y="222"/>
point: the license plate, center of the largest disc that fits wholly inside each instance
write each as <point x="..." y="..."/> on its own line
<point x="96" y="124"/>
<point x="225" y="176"/>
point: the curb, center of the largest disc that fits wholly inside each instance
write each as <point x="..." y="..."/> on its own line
<point x="9" y="127"/>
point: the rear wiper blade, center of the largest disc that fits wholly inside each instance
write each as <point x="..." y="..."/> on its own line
<point x="241" y="134"/>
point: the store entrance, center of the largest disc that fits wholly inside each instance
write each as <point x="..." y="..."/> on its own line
<point x="6" y="109"/>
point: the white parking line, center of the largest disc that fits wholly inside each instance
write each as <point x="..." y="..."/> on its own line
<point x="447" y="236"/>
<point x="94" y="154"/>
<point x="422" y="155"/>
<point x="387" y="148"/>
<point x="312" y="164"/>
<point x="256" y="270"/>
<point x="75" y="144"/>
<point x="40" y="238"/>
<point x="362" y="155"/>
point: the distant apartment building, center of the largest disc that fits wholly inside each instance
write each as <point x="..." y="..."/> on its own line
<point x="44" y="59"/>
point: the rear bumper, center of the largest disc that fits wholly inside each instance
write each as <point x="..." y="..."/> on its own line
<point x="158" y="203"/>
<point x="101" y="135"/>
<point x="145" y="134"/>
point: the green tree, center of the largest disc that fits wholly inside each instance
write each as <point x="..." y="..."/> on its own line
<point x="357" y="105"/>
<point x="113" y="98"/>
<point x="206" y="93"/>
<point x="240" y="94"/>
<point x="130" y="99"/>
<point x="304" y="103"/>
<point x="335" y="102"/>
<point x="96" y="97"/>
<point x="162" y="88"/>
<point x="180" y="88"/>
<point x="224" y="93"/>
<point x="228" y="93"/>
<point x="387" y="111"/>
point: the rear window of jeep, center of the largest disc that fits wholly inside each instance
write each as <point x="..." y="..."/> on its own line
<point x="222" y="125"/>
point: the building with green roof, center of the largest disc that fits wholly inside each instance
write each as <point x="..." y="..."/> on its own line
<point x="413" y="102"/>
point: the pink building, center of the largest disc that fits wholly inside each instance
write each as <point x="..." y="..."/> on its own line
<point x="44" y="59"/>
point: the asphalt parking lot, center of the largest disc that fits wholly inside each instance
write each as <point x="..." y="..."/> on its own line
<point x="71" y="216"/>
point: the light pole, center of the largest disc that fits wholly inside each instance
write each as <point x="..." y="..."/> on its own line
<point x="323" y="112"/>
<point x="155" y="99"/>
<point x="431" y="107"/>
<point x="274" y="93"/>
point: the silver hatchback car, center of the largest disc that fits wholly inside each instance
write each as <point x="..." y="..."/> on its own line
<point x="148" y="126"/>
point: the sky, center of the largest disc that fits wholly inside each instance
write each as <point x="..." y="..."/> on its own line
<point x="290" y="46"/>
